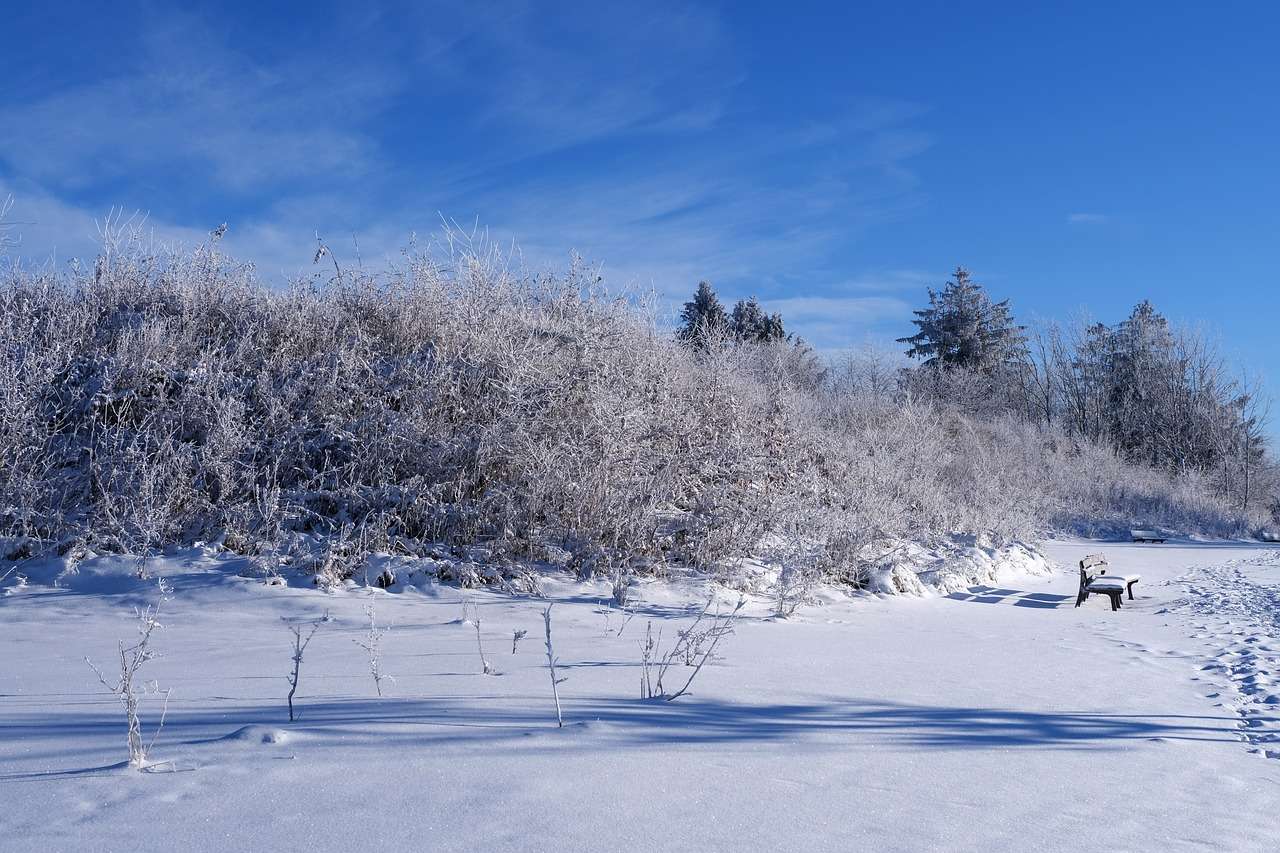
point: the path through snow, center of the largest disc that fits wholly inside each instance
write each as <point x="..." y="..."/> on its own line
<point x="1237" y="619"/>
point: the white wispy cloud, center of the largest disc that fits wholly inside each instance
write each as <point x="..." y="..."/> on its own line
<point x="1087" y="219"/>
<point x="531" y="124"/>
<point x="834" y="323"/>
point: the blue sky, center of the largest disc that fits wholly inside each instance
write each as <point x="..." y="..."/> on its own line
<point x="831" y="158"/>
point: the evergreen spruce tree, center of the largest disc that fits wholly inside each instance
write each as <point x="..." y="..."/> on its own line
<point x="750" y="324"/>
<point x="963" y="328"/>
<point x="1143" y="368"/>
<point x="703" y="318"/>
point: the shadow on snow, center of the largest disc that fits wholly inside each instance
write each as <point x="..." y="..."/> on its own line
<point x="407" y="723"/>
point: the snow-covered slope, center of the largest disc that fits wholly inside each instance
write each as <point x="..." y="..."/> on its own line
<point x="996" y="717"/>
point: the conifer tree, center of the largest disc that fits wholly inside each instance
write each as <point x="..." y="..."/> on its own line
<point x="963" y="328"/>
<point x="703" y="318"/>
<point x="750" y="324"/>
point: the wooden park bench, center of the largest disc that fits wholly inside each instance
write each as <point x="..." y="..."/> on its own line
<point x="1146" y="536"/>
<point x="1112" y="586"/>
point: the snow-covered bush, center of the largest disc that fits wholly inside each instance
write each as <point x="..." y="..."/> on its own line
<point x="158" y="397"/>
<point x="695" y="646"/>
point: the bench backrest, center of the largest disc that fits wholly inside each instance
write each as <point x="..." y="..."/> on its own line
<point x="1092" y="560"/>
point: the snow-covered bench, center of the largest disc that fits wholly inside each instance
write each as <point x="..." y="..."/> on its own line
<point x="1112" y="586"/>
<point x="1146" y="536"/>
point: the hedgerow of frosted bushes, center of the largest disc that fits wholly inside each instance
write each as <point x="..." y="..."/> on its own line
<point x="157" y="398"/>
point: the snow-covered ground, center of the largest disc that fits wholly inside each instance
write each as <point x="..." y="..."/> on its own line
<point x="994" y="718"/>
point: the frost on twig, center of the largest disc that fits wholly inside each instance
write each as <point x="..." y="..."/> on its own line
<point x="694" y="646"/>
<point x="372" y="644"/>
<point x="551" y="667"/>
<point x="128" y="689"/>
<point x="485" y="666"/>
<point x="300" y="644"/>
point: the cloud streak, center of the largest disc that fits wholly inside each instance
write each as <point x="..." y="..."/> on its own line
<point x="622" y="135"/>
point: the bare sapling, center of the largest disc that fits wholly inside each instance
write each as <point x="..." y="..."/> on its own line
<point x="300" y="644"/>
<point x="485" y="667"/>
<point x="516" y="636"/>
<point x="127" y="687"/>
<point x="372" y="644"/>
<point x="551" y="667"/>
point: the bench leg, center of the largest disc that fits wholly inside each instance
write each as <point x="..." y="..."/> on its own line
<point x="1130" y="588"/>
<point x="1115" y="599"/>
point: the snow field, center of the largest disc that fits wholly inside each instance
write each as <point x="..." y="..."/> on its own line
<point x="996" y="717"/>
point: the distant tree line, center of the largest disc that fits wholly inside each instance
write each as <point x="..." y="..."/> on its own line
<point x="1159" y="396"/>
<point x="704" y="321"/>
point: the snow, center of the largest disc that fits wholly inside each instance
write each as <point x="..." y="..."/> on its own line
<point x="995" y="716"/>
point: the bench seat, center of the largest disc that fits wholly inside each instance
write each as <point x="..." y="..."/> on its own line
<point x="1106" y="582"/>
<point x="1113" y="586"/>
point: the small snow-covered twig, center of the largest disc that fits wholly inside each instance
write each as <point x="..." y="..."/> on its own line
<point x="721" y="627"/>
<point x="625" y="622"/>
<point x="694" y="645"/>
<point x="164" y="713"/>
<point x="648" y="654"/>
<point x="299" y="648"/>
<point x="551" y="667"/>
<point x="516" y="636"/>
<point x="372" y="643"/>
<point x="485" y="667"/>
<point x="132" y="658"/>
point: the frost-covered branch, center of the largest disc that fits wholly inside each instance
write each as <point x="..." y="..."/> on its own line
<point x="694" y="646"/>
<point x="126" y="686"/>
<point x="551" y="667"/>
<point x="300" y="644"/>
<point x="372" y="644"/>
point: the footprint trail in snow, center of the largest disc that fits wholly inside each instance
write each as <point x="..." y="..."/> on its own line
<point x="1240" y="619"/>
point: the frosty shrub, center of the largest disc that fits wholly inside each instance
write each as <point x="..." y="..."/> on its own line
<point x="154" y="398"/>
<point x="129" y="688"/>
<point x="695" y="646"/>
